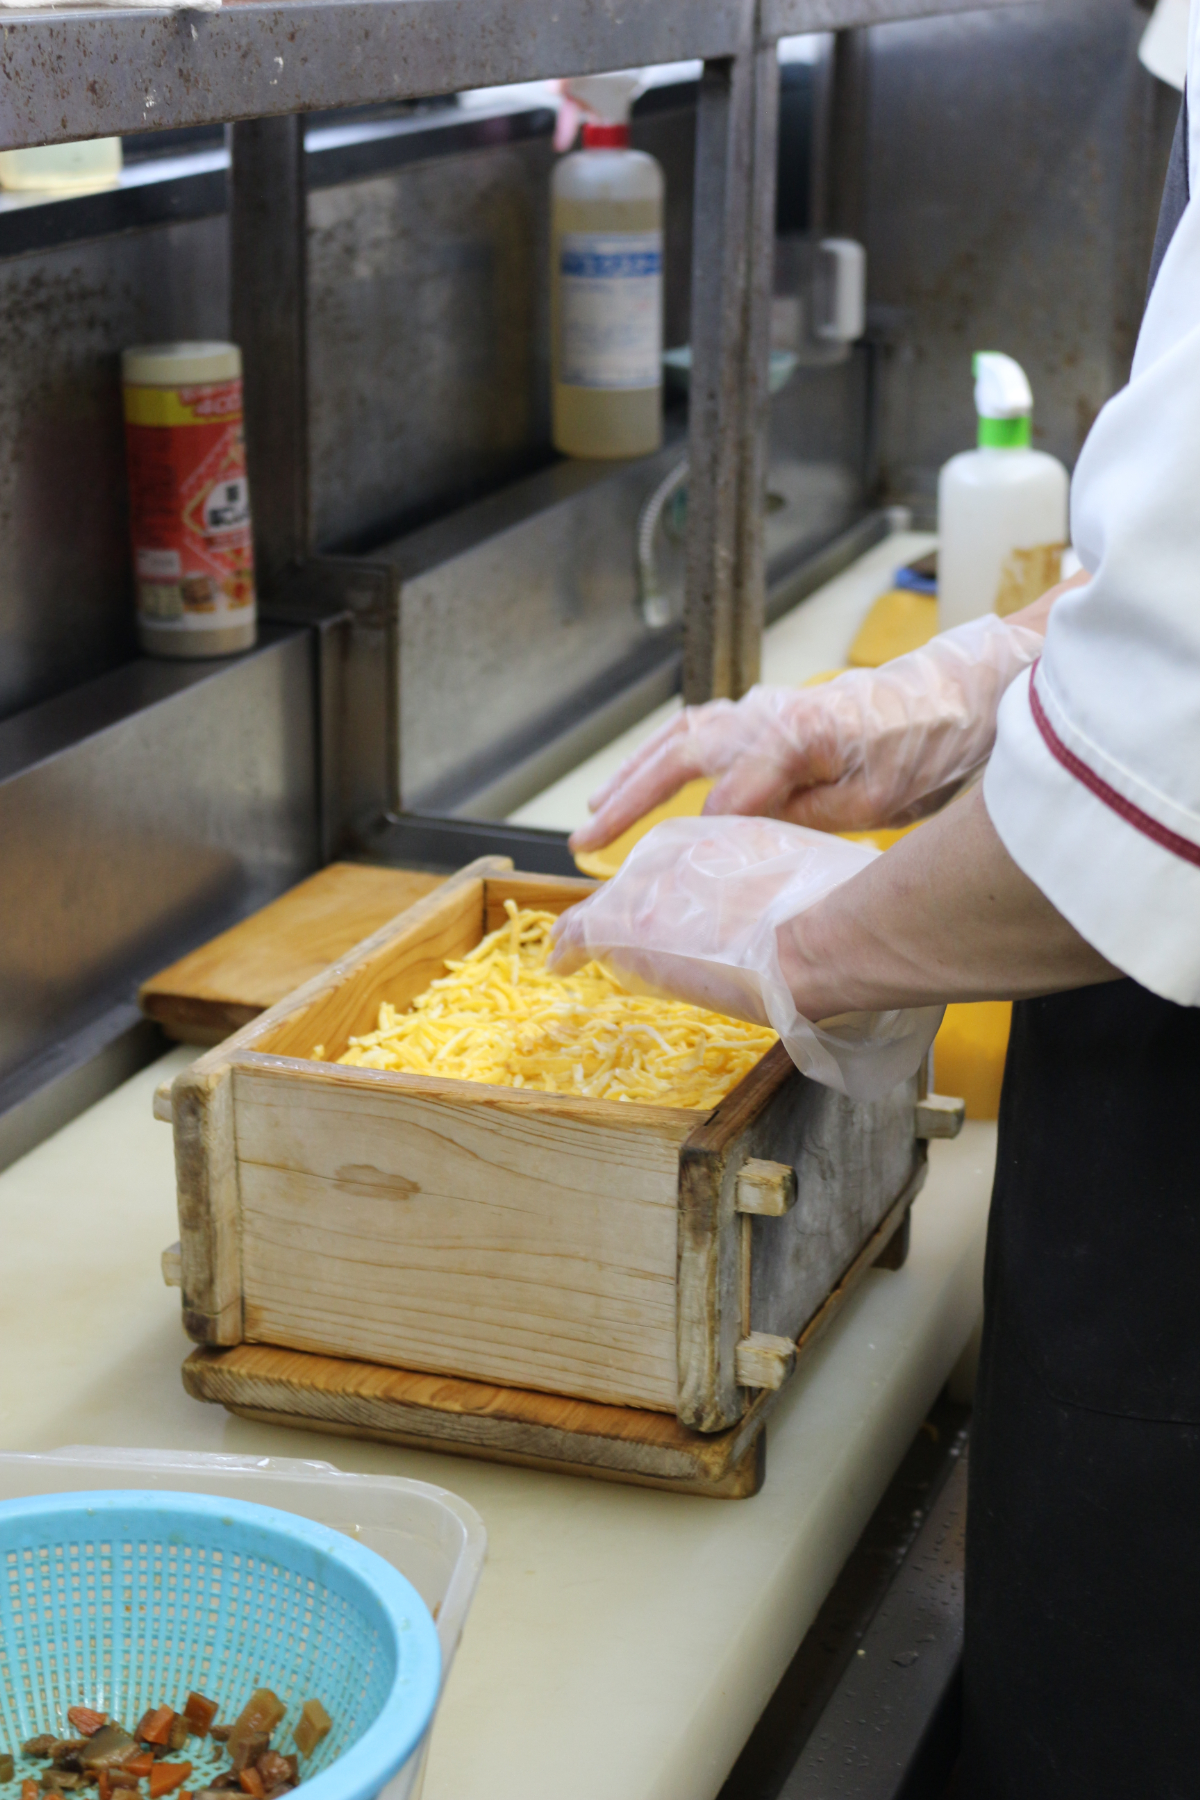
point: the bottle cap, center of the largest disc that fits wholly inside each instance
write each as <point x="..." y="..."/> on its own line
<point x="179" y="365"/>
<point x="1003" y="400"/>
<point x="605" y="137"/>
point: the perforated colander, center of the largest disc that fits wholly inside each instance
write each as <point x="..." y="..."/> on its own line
<point x="125" y="1601"/>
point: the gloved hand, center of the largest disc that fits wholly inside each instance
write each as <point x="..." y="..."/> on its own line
<point x="872" y="747"/>
<point x="694" y="914"/>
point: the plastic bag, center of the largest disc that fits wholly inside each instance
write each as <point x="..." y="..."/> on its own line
<point x="693" y="915"/>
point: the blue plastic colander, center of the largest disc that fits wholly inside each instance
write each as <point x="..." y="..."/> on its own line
<point x="123" y="1601"/>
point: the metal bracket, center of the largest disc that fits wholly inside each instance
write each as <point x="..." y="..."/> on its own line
<point x="354" y="606"/>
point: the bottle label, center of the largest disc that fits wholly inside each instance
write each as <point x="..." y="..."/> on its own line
<point x="610" y="309"/>
<point x="1026" y="575"/>
<point x="189" y="505"/>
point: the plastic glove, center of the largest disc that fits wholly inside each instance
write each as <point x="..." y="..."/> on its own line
<point x="694" y="914"/>
<point x="872" y="747"/>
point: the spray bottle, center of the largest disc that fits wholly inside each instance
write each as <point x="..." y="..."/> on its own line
<point x="606" y="289"/>
<point x="1002" y="508"/>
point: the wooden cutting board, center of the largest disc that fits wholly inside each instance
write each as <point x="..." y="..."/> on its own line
<point x="230" y="980"/>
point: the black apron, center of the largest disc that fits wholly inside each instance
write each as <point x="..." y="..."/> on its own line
<point x="1082" y="1649"/>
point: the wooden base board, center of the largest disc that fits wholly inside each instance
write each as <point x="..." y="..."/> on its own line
<point x="457" y="1417"/>
<point x="474" y="1418"/>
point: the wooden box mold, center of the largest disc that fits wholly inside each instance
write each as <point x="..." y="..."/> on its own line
<point x="642" y="1256"/>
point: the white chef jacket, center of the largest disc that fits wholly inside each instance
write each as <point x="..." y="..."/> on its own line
<point x="1094" y="784"/>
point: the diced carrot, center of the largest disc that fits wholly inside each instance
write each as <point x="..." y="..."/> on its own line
<point x="199" y="1713"/>
<point x="252" y="1782"/>
<point x="156" y="1726"/>
<point x="166" y="1777"/>
<point x="137" y="1766"/>
<point x="104" y="1784"/>
<point x="29" y="1789"/>
<point x="86" y="1722"/>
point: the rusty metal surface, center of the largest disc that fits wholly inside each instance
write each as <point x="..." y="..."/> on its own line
<point x="1009" y="158"/>
<point x="85" y="75"/>
<point x="139" y="814"/>
<point x="781" y="18"/>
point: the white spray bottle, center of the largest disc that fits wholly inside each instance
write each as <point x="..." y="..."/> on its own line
<point x="606" y="283"/>
<point x="1002" y="508"/>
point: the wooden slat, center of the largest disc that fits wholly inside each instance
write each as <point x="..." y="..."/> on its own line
<point x="526" y="1243"/>
<point x="480" y="1419"/>
<point x="232" y="979"/>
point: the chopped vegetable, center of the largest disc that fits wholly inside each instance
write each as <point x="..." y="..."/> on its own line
<point x="261" y="1713"/>
<point x="29" y="1789"/>
<point x="247" y="1747"/>
<point x="165" y="1777"/>
<point x="8" y="1767"/>
<point x="199" y="1713"/>
<point x="313" y="1724"/>
<point x="85" y="1721"/>
<point x="117" y="1761"/>
<point x="111" y="1745"/>
<point x="279" y="1771"/>
<point x="155" y="1726"/>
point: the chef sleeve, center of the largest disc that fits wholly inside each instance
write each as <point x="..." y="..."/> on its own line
<point x="1094" y="784"/>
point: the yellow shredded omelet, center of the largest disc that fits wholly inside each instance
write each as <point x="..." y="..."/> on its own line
<point x="501" y="1016"/>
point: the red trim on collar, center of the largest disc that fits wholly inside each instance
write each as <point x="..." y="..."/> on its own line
<point x="1132" y="815"/>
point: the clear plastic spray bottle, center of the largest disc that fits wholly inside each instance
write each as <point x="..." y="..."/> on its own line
<point x="606" y="287"/>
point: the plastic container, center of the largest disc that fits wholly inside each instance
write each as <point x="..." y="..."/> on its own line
<point x="1002" y="508"/>
<point x="606" y="282"/>
<point x="430" y="1536"/>
<point x="189" y="499"/>
<point x="125" y="1601"/>
<point x="80" y="168"/>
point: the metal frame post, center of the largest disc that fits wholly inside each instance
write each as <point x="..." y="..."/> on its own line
<point x="268" y="314"/>
<point x="733" y="248"/>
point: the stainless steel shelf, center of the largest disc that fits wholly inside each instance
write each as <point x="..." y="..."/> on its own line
<point x="80" y="74"/>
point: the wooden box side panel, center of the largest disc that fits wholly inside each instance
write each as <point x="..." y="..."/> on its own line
<point x="483" y="1237"/>
<point x="541" y="893"/>
<point x="853" y="1159"/>
<point x="206" y="1178"/>
<point x="396" y="967"/>
<point x="712" y="1243"/>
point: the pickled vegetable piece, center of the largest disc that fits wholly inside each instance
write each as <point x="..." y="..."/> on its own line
<point x="248" y="1748"/>
<point x="7" y="1766"/>
<point x="39" y="1746"/>
<point x="111" y="1745"/>
<point x="313" y="1724"/>
<point x="165" y="1777"/>
<point x="262" y="1712"/>
<point x="29" y="1789"/>
<point x="199" y="1713"/>
<point x="85" y="1720"/>
<point x="155" y="1727"/>
<point x="278" y="1771"/>
<point x="252" y="1783"/>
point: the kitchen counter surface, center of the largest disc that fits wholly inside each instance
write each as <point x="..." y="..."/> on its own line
<point x="623" y="1642"/>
